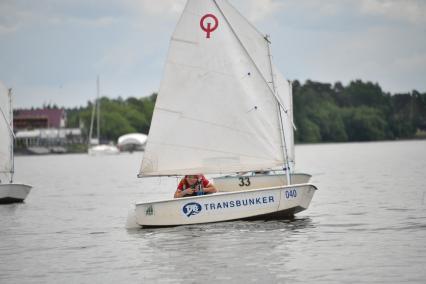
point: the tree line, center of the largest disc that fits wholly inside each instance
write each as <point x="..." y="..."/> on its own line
<point x="323" y="112"/>
<point x="117" y="116"/>
<point x="360" y="111"/>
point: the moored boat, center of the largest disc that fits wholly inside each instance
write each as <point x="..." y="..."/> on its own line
<point x="94" y="146"/>
<point x="13" y="192"/>
<point x="10" y="192"/>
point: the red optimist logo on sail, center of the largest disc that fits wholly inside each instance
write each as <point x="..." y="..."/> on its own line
<point x="206" y="24"/>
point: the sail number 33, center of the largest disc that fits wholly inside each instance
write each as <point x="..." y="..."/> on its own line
<point x="244" y="181"/>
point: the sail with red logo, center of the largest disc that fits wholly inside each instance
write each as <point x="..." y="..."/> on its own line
<point x="216" y="89"/>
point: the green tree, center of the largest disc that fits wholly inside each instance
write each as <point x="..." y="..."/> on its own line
<point x="308" y="132"/>
<point x="118" y="116"/>
<point x="113" y="125"/>
<point x="364" y="124"/>
<point x="323" y="112"/>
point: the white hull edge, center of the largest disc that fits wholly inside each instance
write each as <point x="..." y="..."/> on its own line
<point x="13" y="192"/>
<point x="247" y="182"/>
<point x="265" y="203"/>
<point x="100" y="150"/>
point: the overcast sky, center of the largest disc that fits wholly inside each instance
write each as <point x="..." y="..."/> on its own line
<point x="51" y="51"/>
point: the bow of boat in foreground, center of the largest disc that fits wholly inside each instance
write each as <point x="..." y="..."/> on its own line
<point x="13" y="192"/>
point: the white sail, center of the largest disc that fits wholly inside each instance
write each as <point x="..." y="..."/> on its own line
<point x="215" y="108"/>
<point x="284" y="93"/>
<point x="6" y="137"/>
<point x="253" y="42"/>
<point x="256" y="45"/>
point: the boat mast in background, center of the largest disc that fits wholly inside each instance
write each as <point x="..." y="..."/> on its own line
<point x="94" y="144"/>
<point x="98" y="106"/>
<point x="95" y="111"/>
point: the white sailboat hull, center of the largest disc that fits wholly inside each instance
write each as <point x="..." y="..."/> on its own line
<point x="265" y="203"/>
<point x="246" y="182"/>
<point x="103" y="150"/>
<point x="13" y="192"/>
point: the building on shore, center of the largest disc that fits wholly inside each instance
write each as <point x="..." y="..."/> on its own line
<point x="42" y="131"/>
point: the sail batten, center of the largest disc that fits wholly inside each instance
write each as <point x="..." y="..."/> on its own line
<point x="214" y="111"/>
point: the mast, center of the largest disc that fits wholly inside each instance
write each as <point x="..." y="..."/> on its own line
<point x="284" y="144"/>
<point x="98" y="102"/>
<point x="12" y="136"/>
<point x="294" y="128"/>
<point x="93" y="112"/>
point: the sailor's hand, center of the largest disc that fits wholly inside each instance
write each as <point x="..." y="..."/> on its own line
<point x="188" y="191"/>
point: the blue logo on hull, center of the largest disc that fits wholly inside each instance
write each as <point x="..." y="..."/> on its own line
<point x="192" y="208"/>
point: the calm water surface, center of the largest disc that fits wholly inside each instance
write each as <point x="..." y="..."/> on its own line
<point x="366" y="224"/>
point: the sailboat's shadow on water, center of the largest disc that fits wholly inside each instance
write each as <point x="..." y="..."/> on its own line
<point x="260" y="225"/>
<point x="290" y="225"/>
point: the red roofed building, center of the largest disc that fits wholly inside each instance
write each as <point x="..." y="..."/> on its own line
<point x="39" y="118"/>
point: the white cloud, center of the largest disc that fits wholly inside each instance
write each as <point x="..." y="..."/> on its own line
<point x="13" y="17"/>
<point x="50" y="43"/>
<point x="157" y="7"/>
<point x="3" y="89"/>
<point x="4" y="29"/>
<point x="387" y="55"/>
<point x="325" y="8"/>
<point x="97" y="22"/>
<point x="8" y="22"/>
<point x="261" y="9"/>
<point x="412" y="62"/>
<point x="413" y="11"/>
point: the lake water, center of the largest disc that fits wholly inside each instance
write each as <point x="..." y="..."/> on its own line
<point x="366" y="224"/>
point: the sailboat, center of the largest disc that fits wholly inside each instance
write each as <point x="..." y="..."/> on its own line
<point x="10" y="192"/>
<point x="94" y="147"/>
<point x="213" y="116"/>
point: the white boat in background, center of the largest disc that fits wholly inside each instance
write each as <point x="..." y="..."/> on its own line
<point x="10" y="192"/>
<point x="94" y="147"/>
<point x="13" y="192"/>
<point x="103" y="149"/>
<point x="213" y="116"/>
<point x="132" y="141"/>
